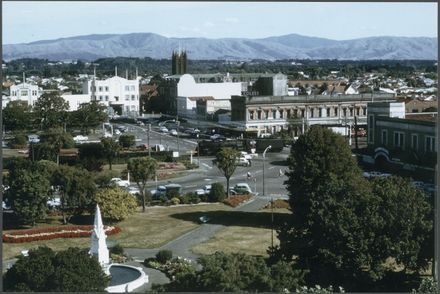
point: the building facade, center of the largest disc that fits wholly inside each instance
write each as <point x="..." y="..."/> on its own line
<point x="120" y="94"/>
<point x="23" y="92"/>
<point x="407" y="139"/>
<point x="270" y="114"/>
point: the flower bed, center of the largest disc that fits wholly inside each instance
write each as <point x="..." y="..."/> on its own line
<point x="24" y="236"/>
<point x="172" y="267"/>
<point x="236" y="200"/>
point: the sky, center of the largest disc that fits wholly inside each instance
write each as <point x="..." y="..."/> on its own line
<point x="24" y="22"/>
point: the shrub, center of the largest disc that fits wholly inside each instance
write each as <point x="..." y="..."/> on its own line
<point x="19" y="141"/>
<point x="172" y="194"/>
<point x="175" y="200"/>
<point x="193" y="198"/>
<point x="164" y="255"/>
<point x="117" y="249"/>
<point x="236" y="200"/>
<point x="189" y="165"/>
<point x="127" y="140"/>
<point x="217" y="193"/>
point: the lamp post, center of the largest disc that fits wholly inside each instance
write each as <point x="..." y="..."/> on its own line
<point x="198" y="151"/>
<point x="264" y="159"/>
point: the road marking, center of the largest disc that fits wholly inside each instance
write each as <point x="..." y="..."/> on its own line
<point x="207" y="165"/>
<point x="207" y="179"/>
<point x="191" y="142"/>
<point x="272" y="167"/>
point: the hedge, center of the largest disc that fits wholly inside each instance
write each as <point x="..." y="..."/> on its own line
<point x="50" y="233"/>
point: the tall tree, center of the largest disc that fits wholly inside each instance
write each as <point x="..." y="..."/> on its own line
<point x="27" y="195"/>
<point x="51" y="111"/>
<point x="72" y="270"/>
<point x="115" y="203"/>
<point x="343" y="228"/>
<point x="141" y="170"/>
<point x="89" y="115"/>
<point x="77" y="190"/>
<point x="111" y="149"/>
<point x="17" y="116"/>
<point x="226" y="161"/>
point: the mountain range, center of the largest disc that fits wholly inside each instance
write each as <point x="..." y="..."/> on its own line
<point x="292" y="46"/>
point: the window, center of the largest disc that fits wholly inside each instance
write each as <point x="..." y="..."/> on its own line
<point x="266" y="114"/>
<point x="274" y="113"/>
<point x="132" y="88"/>
<point x="100" y="97"/>
<point x="106" y="88"/>
<point x="100" y="89"/>
<point x="127" y="108"/>
<point x="302" y="112"/>
<point x="116" y="98"/>
<point x="132" y="97"/>
<point x="14" y="93"/>
<point x="251" y="115"/>
<point x="106" y="97"/>
<point x="259" y="114"/>
<point x="399" y="139"/>
<point x="34" y="93"/>
<point x="312" y="114"/>
<point x="320" y="112"/>
<point x="133" y="107"/>
<point x="23" y="93"/>
<point x="430" y="144"/>
<point x="328" y="112"/>
<point x="414" y="141"/>
<point x="288" y="113"/>
<point x="127" y="88"/>
<point x="345" y="112"/>
<point x="384" y="137"/>
<point x="336" y="112"/>
<point x="127" y="97"/>
<point x="358" y="111"/>
<point x="281" y="113"/>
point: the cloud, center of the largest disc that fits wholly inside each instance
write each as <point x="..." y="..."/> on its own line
<point x="208" y="24"/>
<point x="231" y="19"/>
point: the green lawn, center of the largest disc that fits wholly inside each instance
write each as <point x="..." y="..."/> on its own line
<point x="151" y="229"/>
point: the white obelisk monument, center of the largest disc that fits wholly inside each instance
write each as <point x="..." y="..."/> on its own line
<point x="99" y="246"/>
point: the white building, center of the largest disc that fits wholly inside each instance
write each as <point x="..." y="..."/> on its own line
<point x="188" y="92"/>
<point x="24" y="92"/>
<point x="75" y="100"/>
<point x="119" y="93"/>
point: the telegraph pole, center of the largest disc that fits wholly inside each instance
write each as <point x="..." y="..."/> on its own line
<point x="149" y="147"/>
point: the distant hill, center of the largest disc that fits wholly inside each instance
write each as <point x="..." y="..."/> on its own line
<point x="292" y="46"/>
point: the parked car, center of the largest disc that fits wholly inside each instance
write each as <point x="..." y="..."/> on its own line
<point x="242" y="162"/>
<point x="241" y="188"/>
<point x="165" y="190"/>
<point x="133" y="190"/>
<point x="215" y="137"/>
<point x="204" y="191"/>
<point x="120" y="182"/>
<point x="163" y="129"/>
<point x="80" y="138"/>
<point x="173" y="132"/>
<point x="117" y="132"/>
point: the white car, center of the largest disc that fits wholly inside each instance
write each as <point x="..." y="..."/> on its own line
<point x="215" y="137"/>
<point x="80" y="138"/>
<point x="242" y="162"/>
<point x="117" y="132"/>
<point x="133" y="190"/>
<point x="163" y="129"/>
<point x="120" y="182"/>
<point x="173" y="132"/>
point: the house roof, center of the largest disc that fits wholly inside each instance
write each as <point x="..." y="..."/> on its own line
<point x="204" y="98"/>
<point x="429" y="117"/>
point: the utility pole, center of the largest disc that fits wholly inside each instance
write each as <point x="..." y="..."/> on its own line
<point x="271" y="205"/>
<point x="356" y="133"/>
<point x="149" y="147"/>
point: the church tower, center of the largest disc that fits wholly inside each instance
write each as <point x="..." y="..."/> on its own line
<point x="99" y="246"/>
<point x="179" y="62"/>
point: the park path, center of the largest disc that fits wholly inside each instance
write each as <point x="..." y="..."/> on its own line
<point x="182" y="245"/>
